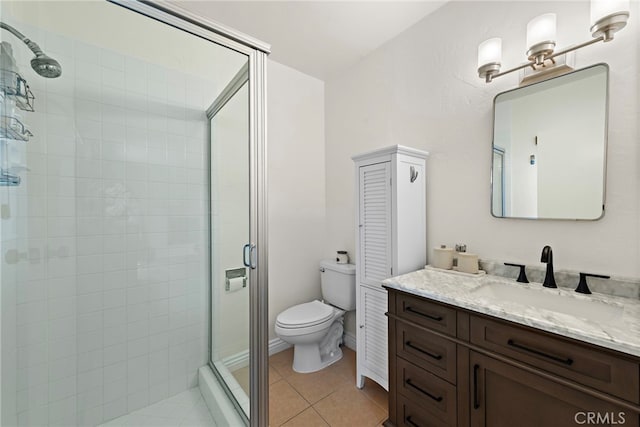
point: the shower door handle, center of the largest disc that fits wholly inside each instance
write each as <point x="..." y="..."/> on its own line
<point x="248" y="255"/>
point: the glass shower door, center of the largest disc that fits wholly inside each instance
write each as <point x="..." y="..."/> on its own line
<point x="229" y="234"/>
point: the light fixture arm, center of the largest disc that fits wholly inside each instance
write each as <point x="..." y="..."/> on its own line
<point x="533" y="64"/>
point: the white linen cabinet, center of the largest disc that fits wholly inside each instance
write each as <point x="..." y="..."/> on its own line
<point x="390" y="240"/>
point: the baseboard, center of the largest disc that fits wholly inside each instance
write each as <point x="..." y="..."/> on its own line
<point x="276" y="345"/>
<point x="236" y="361"/>
<point x="350" y="341"/>
<point x="241" y="359"/>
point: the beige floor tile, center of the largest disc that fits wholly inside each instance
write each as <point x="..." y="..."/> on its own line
<point x="316" y="385"/>
<point x="375" y="392"/>
<point x="284" y="403"/>
<point x="346" y="366"/>
<point x="308" y="418"/>
<point x="349" y="407"/>
<point x="283" y="362"/>
<point x="242" y="376"/>
<point x="274" y="376"/>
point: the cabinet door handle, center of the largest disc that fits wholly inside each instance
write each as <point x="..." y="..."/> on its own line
<point x="423" y="391"/>
<point x="568" y="361"/>
<point x="410" y="421"/>
<point x="419" y="313"/>
<point x="476" y="368"/>
<point x="432" y="355"/>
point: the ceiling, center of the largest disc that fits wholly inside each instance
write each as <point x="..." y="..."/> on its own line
<point x="318" y="38"/>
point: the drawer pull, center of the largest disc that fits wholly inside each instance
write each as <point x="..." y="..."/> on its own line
<point x="476" y="405"/>
<point x="410" y="421"/>
<point x="568" y="361"/>
<point x="433" y="356"/>
<point x="419" y="313"/>
<point x="423" y="391"/>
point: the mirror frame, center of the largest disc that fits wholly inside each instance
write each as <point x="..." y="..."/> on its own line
<point x="605" y="147"/>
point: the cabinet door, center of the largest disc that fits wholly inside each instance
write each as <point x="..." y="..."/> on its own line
<point x="373" y="326"/>
<point x="374" y="263"/>
<point x="503" y="395"/>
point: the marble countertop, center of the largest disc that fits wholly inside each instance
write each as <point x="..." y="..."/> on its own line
<point x="621" y="332"/>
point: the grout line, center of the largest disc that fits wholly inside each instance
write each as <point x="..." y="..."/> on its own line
<point x="321" y="417"/>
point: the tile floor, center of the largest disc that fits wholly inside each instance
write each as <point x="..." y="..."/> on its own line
<point x="186" y="409"/>
<point x="325" y="398"/>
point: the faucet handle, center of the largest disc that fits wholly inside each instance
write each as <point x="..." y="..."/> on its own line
<point x="582" y="284"/>
<point x="522" y="277"/>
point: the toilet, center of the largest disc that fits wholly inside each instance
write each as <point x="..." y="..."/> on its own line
<point x="315" y="328"/>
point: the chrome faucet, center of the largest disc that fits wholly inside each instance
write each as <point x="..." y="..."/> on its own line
<point x="547" y="257"/>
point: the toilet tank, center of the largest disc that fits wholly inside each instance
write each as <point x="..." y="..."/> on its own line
<point x="338" y="284"/>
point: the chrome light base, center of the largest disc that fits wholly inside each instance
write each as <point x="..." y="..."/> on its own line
<point x="538" y="52"/>
<point x="487" y="71"/>
<point x="610" y="24"/>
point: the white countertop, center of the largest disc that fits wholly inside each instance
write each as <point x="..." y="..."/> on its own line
<point x="458" y="290"/>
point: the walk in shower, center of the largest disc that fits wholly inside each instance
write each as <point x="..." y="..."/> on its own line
<point x="131" y="214"/>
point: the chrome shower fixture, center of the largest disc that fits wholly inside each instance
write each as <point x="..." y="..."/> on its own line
<point x="43" y="64"/>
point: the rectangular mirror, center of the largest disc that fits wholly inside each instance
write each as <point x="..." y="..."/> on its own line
<point x="549" y="148"/>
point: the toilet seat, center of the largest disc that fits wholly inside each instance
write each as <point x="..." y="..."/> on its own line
<point x="305" y="315"/>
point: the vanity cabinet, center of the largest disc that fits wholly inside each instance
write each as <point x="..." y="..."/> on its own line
<point x="504" y="395"/>
<point x="452" y="367"/>
<point x="390" y="240"/>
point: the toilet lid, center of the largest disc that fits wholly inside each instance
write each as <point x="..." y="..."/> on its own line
<point x="303" y="315"/>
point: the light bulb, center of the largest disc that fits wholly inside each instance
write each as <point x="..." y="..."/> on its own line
<point x="490" y="52"/>
<point x="603" y="8"/>
<point x="608" y="17"/>
<point x="541" y="29"/>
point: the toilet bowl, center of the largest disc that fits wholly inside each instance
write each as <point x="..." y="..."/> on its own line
<point x="307" y="327"/>
<point x="315" y="328"/>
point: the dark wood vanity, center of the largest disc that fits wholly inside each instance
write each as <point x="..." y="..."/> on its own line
<point x="452" y="367"/>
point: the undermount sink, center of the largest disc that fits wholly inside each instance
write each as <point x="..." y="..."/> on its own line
<point x="593" y="310"/>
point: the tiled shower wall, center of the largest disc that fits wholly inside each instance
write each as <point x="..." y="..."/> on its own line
<point x="111" y="239"/>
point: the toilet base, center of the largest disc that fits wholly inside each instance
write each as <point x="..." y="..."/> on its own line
<point x="311" y="357"/>
<point x="307" y="358"/>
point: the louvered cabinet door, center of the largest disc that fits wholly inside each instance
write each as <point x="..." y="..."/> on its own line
<point x="375" y="258"/>
<point x="374" y="329"/>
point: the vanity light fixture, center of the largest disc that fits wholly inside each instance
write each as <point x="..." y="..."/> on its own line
<point x="607" y="17"/>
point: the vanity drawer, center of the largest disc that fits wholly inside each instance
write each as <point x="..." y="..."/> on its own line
<point x="429" y="391"/>
<point x="426" y="313"/>
<point x="429" y="351"/>
<point x="411" y="414"/>
<point x="582" y="363"/>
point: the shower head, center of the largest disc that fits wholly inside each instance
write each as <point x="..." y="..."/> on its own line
<point x="46" y="66"/>
<point x="42" y="64"/>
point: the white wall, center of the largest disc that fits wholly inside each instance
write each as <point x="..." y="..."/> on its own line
<point x="421" y="90"/>
<point x="296" y="165"/>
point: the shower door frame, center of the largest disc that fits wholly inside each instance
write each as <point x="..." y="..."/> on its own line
<point x="256" y="52"/>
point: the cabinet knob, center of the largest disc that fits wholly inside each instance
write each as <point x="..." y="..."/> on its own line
<point x="361" y="326"/>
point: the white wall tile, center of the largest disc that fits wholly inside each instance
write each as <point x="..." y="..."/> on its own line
<point x="116" y="202"/>
<point x="63" y="368"/>
<point x="61" y="389"/>
<point x="115" y="353"/>
<point x="116" y="407"/>
<point x="62" y="347"/>
<point x="90" y="360"/>
<point x="62" y="327"/>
